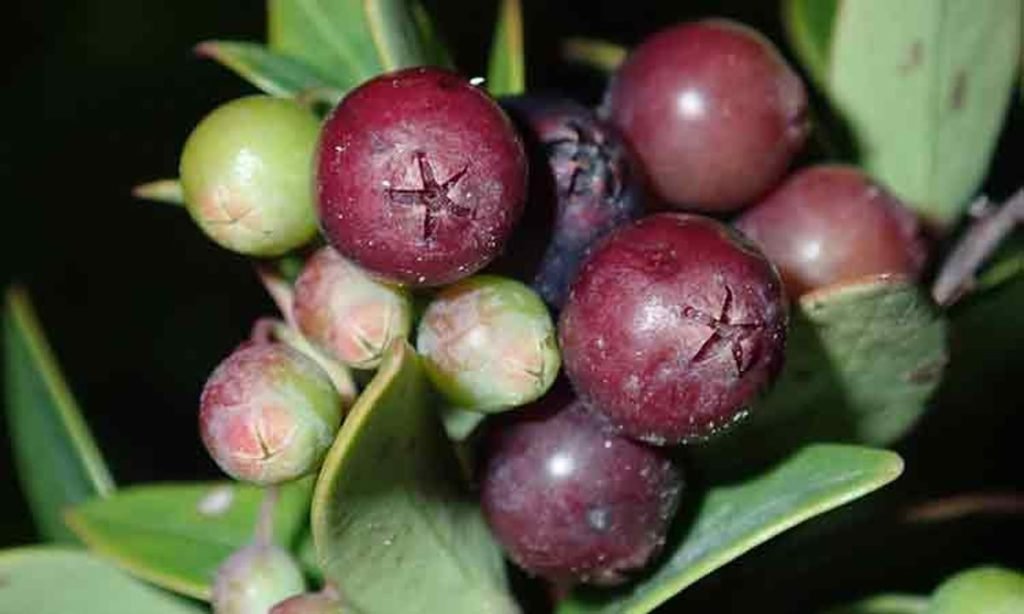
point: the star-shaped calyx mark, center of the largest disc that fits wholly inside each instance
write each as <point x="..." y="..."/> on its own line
<point x="725" y="334"/>
<point x="433" y="196"/>
<point x="592" y="168"/>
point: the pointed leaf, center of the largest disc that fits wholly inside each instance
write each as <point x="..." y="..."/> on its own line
<point x="437" y="53"/>
<point x="732" y="519"/>
<point x="271" y="72"/>
<point x="161" y="191"/>
<point x="506" y="74"/>
<point x="809" y="26"/>
<point x="394" y="531"/>
<point x="56" y="581"/>
<point x="57" y="459"/>
<point x="348" y="41"/>
<point x="862" y="361"/>
<point x="176" y="535"/>
<point x="925" y="85"/>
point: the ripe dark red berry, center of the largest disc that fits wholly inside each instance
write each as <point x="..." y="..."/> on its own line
<point x="714" y="112"/>
<point x="831" y="223"/>
<point x="672" y="327"/>
<point x="583" y="178"/>
<point x="420" y="177"/>
<point x="571" y="501"/>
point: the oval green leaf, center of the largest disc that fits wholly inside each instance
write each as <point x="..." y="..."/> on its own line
<point x="271" y="72"/>
<point x="808" y="25"/>
<point x="437" y="53"/>
<point x="732" y="519"/>
<point x="393" y="528"/>
<point x="506" y="72"/>
<point x="347" y="40"/>
<point x="55" y="581"/>
<point x="862" y="362"/>
<point x="57" y="460"/>
<point x="176" y="535"/>
<point x="925" y="85"/>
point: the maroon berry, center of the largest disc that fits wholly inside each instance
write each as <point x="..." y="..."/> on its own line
<point x="828" y="224"/>
<point x="583" y="178"/>
<point x="714" y="112"/>
<point x="672" y="327"/>
<point x="571" y="501"/>
<point x="420" y="177"/>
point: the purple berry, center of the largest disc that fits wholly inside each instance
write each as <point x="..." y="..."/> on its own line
<point x="672" y="327"/>
<point x="420" y="177"/>
<point x="571" y="501"/>
<point x="714" y="112"/>
<point x="268" y="414"/>
<point x="827" y="224"/>
<point x="583" y="178"/>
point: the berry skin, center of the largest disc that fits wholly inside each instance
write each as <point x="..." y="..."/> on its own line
<point x="254" y="578"/>
<point x="982" y="590"/>
<point x="571" y="501"/>
<point x="420" y="177"/>
<point x="713" y="111"/>
<point x="830" y="223"/>
<point x="245" y="171"/>
<point x="488" y="344"/>
<point x="268" y="414"/>
<point x="673" y="326"/>
<point x="310" y="603"/>
<point x="347" y="313"/>
<point x="583" y="177"/>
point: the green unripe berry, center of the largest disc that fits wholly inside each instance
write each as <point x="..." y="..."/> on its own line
<point x="488" y="344"/>
<point x="983" y="590"/>
<point x="246" y="172"/>
<point x="255" y="578"/>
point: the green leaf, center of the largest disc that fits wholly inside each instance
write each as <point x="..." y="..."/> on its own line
<point x="437" y="53"/>
<point x="271" y="72"/>
<point x="862" y="361"/>
<point x="886" y="604"/>
<point x="809" y="26"/>
<point x="166" y="191"/>
<point x="58" y="462"/>
<point x="925" y="85"/>
<point x="506" y="73"/>
<point x="348" y="41"/>
<point x="176" y="535"/>
<point x="393" y="529"/>
<point x="56" y="581"/>
<point x="732" y="519"/>
<point x="602" y="55"/>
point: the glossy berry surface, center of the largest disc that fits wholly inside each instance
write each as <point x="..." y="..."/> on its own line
<point x="347" y="313"/>
<point x="827" y="224"/>
<point x="714" y="112"/>
<point x="583" y="178"/>
<point x="420" y="177"/>
<point x="673" y="326"/>
<point x="255" y="578"/>
<point x="245" y="172"/>
<point x="268" y="414"/>
<point x="488" y="343"/>
<point x="571" y="501"/>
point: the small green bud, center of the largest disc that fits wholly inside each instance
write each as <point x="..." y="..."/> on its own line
<point x="348" y="314"/>
<point x="268" y="414"/>
<point x="246" y="172"/>
<point x="489" y="344"/>
<point x="982" y="590"/>
<point x="254" y="578"/>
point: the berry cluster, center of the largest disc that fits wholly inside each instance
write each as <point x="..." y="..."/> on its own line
<point x="670" y="323"/>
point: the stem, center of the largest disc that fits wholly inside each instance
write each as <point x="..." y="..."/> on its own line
<point x="339" y="373"/>
<point x="265" y="521"/>
<point x="967" y="504"/>
<point x="602" y="55"/>
<point x="958" y="274"/>
<point x="280" y="291"/>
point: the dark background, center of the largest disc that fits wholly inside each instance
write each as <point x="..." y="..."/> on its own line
<point x="99" y="95"/>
